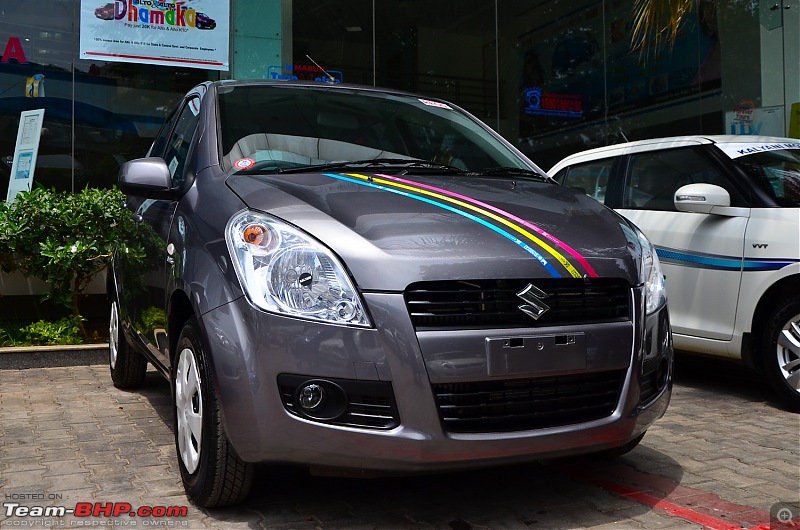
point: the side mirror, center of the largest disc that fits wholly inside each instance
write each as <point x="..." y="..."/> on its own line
<point x="701" y="198"/>
<point x="146" y="177"/>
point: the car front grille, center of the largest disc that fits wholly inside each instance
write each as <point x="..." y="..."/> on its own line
<point x="461" y="304"/>
<point x="377" y="412"/>
<point x="524" y="404"/>
<point x="648" y="388"/>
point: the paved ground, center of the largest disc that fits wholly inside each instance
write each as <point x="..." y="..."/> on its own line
<point x="725" y="456"/>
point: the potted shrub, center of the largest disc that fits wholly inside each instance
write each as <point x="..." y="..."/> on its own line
<point x="64" y="239"/>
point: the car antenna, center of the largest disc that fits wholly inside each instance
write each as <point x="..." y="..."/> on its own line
<point x="333" y="80"/>
<point x="620" y="131"/>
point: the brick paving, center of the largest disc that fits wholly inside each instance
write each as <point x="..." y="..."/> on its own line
<point x="725" y="454"/>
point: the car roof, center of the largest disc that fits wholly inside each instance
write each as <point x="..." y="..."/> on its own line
<point x="319" y="85"/>
<point x="655" y="144"/>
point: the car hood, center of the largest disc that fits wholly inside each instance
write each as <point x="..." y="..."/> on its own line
<point x="392" y="231"/>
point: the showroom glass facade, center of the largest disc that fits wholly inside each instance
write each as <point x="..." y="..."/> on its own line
<point x="553" y="77"/>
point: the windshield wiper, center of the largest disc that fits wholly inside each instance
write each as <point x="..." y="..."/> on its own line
<point x="372" y="163"/>
<point x="511" y="172"/>
<point x="407" y="166"/>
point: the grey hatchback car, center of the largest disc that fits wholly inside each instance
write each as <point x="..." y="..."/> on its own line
<point x="351" y="278"/>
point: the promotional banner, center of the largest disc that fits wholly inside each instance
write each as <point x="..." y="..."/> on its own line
<point x="748" y="119"/>
<point x="192" y="33"/>
<point x="27" y="147"/>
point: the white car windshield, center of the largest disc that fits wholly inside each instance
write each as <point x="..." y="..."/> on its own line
<point x="777" y="173"/>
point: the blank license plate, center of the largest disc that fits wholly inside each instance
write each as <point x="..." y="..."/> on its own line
<point x="541" y="353"/>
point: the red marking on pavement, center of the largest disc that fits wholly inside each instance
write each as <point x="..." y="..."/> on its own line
<point x="664" y="494"/>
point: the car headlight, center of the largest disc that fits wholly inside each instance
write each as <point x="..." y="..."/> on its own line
<point x="655" y="293"/>
<point x="285" y="271"/>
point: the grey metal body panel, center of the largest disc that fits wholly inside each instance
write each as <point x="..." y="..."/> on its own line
<point x="251" y="348"/>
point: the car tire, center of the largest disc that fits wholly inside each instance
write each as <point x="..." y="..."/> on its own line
<point x="213" y="475"/>
<point x="780" y="350"/>
<point x="128" y="367"/>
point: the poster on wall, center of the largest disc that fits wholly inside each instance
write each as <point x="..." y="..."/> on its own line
<point x="25" y="151"/>
<point x="191" y="33"/>
<point x="748" y="119"/>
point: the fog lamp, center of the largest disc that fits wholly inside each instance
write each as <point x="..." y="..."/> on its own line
<point x="311" y="396"/>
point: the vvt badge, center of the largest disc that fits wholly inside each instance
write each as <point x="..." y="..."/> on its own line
<point x="534" y="307"/>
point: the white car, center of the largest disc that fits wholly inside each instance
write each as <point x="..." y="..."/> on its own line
<point x="724" y="215"/>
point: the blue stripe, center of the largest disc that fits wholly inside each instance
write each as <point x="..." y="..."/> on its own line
<point x="553" y="272"/>
<point x="722" y="262"/>
<point x="766" y="265"/>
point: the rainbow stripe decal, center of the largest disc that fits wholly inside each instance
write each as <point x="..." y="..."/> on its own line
<point x="462" y="205"/>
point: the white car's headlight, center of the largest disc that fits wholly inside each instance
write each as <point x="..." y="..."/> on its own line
<point x="653" y="277"/>
<point x="285" y="271"/>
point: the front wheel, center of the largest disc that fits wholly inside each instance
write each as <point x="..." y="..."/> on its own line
<point x="213" y="475"/>
<point x="780" y="350"/>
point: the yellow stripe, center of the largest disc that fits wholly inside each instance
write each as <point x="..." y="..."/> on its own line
<point x="560" y="257"/>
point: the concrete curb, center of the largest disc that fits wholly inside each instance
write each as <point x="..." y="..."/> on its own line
<point x="26" y="357"/>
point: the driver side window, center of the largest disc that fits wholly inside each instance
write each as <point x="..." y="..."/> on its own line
<point x="179" y="142"/>
<point x="654" y="177"/>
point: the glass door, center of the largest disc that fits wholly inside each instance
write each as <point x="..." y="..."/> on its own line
<point x="780" y="71"/>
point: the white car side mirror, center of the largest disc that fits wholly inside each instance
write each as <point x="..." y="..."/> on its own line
<point x="701" y="198"/>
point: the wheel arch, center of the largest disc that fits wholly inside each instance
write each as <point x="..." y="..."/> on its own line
<point x="180" y="311"/>
<point x="776" y="292"/>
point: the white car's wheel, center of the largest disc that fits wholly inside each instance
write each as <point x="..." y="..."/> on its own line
<point x="780" y="348"/>
<point x="213" y="475"/>
<point x="128" y="367"/>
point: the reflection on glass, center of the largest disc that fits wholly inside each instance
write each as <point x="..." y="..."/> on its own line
<point x="97" y="114"/>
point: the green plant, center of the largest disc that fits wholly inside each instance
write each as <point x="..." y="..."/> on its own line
<point x="10" y="335"/>
<point x="152" y="318"/>
<point x="68" y="330"/>
<point x="65" y="239"/>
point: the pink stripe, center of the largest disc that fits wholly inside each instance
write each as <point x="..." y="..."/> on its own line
<point x="523" y="222"/>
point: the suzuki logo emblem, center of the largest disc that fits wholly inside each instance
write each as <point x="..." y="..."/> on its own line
<point x="533" y="306"/>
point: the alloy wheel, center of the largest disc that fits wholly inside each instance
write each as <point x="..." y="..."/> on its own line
<point x="788" y="352"/>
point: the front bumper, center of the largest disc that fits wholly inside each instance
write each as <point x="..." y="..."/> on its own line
<point x="250" y="350"/>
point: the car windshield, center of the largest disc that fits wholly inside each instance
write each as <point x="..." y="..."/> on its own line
<point x="287" y="128"/>
<point x="777" y="173"/>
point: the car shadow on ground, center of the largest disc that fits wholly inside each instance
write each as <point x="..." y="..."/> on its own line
<point x="568" y="493"/>
<point x="720" y="379"/>
<point x="555" y="494"/>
